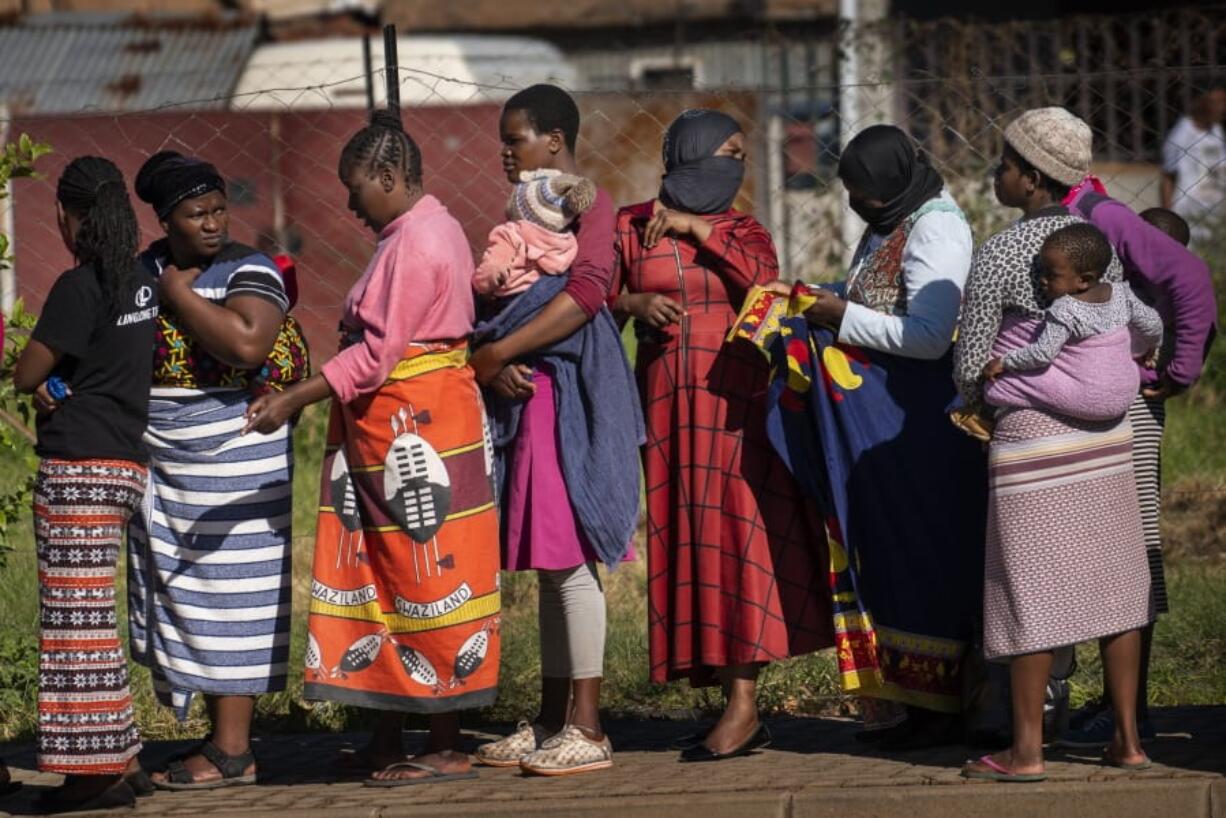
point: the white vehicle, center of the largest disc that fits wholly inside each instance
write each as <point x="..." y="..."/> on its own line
<point x="434" y="70"/>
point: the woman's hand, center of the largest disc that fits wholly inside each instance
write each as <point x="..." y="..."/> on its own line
<point x="993" y="369"/>
<point x="173" y="282"/>
<point x="653" y="309"/>
<point x="674" y="223"/>
<point x="827" y="310"/>
<point x="44" y="404"/>
<point x="778" y="287"/>
<point x="1165" y="388"/>
<point x="509" y="380"/>
<point x="269" y="412"/>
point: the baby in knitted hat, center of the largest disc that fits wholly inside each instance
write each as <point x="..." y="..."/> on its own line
<point x="535" y="239"/>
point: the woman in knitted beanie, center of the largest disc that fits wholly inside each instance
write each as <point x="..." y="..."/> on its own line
<point x="1064" y="527"/>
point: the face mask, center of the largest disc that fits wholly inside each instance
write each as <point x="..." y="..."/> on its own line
<point x="707" y="185"/>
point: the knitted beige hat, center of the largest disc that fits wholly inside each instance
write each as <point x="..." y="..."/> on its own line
<point x="550" y="198"/>
<point x="1055" y="141"/>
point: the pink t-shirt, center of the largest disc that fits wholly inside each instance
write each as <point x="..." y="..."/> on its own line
<point x="417" y="287"/>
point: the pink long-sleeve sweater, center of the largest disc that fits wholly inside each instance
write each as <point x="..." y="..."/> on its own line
<point x="417" y="287"/>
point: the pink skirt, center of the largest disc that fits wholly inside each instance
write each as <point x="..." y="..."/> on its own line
<point x="540" y="531"/>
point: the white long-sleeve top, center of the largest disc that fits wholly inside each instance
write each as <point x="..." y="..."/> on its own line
<point x="936" y="261"/>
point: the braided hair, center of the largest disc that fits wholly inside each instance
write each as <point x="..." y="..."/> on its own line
<point x="1084" y="245"/>
<point x="382" y="144"/>
<point x="92" y="189"/>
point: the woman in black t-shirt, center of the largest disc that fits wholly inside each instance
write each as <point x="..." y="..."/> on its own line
<point x="88" y="364"/>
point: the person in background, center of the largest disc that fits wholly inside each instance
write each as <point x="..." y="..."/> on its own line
<point x="1194" y="166"/>
<point x="737" y="559"/>
<point x="88" y="364"/>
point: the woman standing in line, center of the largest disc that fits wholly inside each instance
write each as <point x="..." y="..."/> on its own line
<point x="405" y="595"/>
<point x="88" y="365"/>
<point x="736" y="558"/>
<point x="209" y="569"/>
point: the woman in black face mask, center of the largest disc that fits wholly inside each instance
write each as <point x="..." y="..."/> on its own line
<point x="737" y="559"/>
<point x="905" y="283"/>
<point x="903" y="294"/>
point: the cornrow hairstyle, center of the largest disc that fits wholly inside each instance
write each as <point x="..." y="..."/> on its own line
<point x="92" y="189"/>
<point x="548" y="108"/>
<point x="1085" y="246"/>
<point x="1058" y="190"/>
<point x="1169" y="222"/>
<point x="382" y="144"/>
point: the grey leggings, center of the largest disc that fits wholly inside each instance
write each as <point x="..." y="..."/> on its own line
<point x="572" y="622"/>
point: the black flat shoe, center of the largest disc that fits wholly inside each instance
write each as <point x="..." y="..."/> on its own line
<point x="9" y="787"/>
<point x="117" y="795"/>
<point x="701" y="752"/>
<point x="686" y="742"/>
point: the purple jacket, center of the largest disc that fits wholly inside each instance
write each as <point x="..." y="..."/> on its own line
<point x="1167" y="274"/>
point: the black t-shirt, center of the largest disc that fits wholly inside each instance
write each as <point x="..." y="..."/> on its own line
<point x="107" y="363"/>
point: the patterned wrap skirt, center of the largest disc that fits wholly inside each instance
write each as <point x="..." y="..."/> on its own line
<point x="1065" y="558"/>
<point x="405" y="596"/>
<point x="86" y="724"/>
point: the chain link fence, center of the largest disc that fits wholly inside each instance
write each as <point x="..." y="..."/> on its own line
<point x="953" y="86"/>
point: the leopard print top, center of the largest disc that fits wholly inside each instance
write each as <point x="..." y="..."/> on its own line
<point x="1004" y="280"/>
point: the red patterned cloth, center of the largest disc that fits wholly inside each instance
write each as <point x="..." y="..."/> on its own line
<point x="737" y="557"/>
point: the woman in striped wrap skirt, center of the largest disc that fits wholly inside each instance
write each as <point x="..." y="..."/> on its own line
<point x="209" y="567"/>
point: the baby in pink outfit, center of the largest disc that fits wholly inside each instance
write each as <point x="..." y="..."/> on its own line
<point x="535" y="239"/>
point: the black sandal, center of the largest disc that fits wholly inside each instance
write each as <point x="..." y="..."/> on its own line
<point x="179" y="778"/>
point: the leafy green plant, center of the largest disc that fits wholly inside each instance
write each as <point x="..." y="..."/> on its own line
<point x="16" y="435"/>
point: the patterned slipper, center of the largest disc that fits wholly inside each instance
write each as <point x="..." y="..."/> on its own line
<point x="509" y="751"/>
<point x="997" y="772"/>
<point x="568" y="753"/>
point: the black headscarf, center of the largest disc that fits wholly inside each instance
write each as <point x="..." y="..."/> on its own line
<point x="882" y="162"/>
<point x="168" y="178"/>
<point x="695" y="179"/>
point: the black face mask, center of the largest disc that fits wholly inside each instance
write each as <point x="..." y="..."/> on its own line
<point x="704" y="186"/>
<point x="695" y="179"/>
<point x="882" y="163"/>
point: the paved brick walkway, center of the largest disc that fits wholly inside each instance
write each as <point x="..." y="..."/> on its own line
<point x="814" y="768"/>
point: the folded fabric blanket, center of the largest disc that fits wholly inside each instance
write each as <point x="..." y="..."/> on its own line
<point x="904" y="495"/>
<point x="1092" y="379"/>
<point x="600" y="421"/>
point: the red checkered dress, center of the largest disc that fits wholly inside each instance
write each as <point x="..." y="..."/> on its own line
<point x="737" y="556"/>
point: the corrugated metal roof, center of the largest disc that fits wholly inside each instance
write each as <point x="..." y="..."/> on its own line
<point x="74" y="63"/>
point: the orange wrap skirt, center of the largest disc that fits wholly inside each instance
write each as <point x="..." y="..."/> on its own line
<point x="404" y="594"/>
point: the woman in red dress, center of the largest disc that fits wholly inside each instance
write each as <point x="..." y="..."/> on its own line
<point x="737" y="559"/>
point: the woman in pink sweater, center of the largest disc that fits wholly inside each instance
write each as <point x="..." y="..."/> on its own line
<point x="404" y="594"/>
